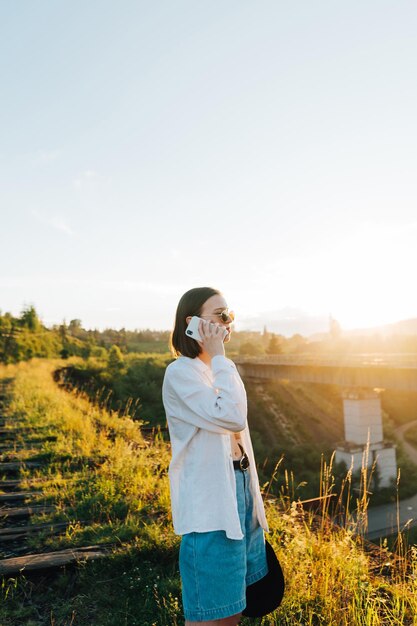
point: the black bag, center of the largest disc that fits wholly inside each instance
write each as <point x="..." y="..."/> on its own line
<point x="266" y="594"/>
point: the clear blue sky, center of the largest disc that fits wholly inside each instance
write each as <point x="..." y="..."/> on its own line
<point x="265" y="148"/>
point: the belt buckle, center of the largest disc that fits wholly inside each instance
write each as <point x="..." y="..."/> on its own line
<point x="244" y="462"/>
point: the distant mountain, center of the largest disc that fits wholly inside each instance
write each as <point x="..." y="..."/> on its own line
<point x="405" y="327"/>
<point x="287" y="322"/>
<point x="290" y="321"/>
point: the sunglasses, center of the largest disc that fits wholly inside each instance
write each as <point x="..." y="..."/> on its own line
<point x="226" y="316"/>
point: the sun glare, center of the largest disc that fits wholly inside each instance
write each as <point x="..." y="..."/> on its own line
<point x="361" y="281"/>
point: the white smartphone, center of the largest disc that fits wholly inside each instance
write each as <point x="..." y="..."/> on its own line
<point x="192" y="328"/>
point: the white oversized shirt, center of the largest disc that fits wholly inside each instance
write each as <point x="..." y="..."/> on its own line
<point x="205" y="405"/>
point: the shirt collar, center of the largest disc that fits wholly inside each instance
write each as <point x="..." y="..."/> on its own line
<point x="197" y="363"/>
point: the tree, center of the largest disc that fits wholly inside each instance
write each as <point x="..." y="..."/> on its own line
<point x="249" y="349"/>
<point x="297" y="343"/>
<point x="334" y="329"/>
<point x="75" y="328"/>
<point x="116" y="360"/>
<point x="87" y="348"/>
<point x="62" y="329"/>
<point x="265" y="336"/>
<point x="6" y="337"/>
<point x="274" y="345"/>
<point x="29" y="318"/>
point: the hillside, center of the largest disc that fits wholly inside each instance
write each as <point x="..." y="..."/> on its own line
<point x="297" y="421"/>
<point x="111" y="483"/>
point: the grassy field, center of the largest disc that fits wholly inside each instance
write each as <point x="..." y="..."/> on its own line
<point x="111" y="484"/>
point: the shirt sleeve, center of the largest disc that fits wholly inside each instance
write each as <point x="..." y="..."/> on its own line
<point x="220" y="407"/>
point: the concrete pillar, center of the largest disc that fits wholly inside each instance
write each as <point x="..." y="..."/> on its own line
<point x="363" y="422"/>
<point x="362" y="413"/>
<point x="386" y="463"/>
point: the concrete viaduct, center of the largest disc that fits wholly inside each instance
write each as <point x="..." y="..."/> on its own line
<point x="358" y="371"/>
<point x="360" y="377"/>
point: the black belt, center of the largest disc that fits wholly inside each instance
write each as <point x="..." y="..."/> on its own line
<point x="242" y="464"/>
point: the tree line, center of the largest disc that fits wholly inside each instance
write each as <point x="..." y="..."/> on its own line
<point x="24" y="336"/>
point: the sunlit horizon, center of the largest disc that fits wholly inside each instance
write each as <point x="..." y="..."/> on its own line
<point x="267" y="150"/>
<point x="273" y="320"/>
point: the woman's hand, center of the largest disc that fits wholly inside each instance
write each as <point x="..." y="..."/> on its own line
<point x="212" y="336"/>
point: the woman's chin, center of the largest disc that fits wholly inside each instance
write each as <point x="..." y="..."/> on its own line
<point x="227" y="338"/>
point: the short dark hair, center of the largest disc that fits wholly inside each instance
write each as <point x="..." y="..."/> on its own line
<point x="191" y="303"/>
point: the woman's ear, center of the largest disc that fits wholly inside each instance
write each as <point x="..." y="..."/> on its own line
<point x="188" y="319"/>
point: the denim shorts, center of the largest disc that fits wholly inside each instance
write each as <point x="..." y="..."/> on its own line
<point x="215" y="570"/>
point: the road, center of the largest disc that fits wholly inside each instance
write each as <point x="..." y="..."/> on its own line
<point x="410" y="450"/>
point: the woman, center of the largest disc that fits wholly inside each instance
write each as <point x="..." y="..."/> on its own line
<point x="216" y="501"/>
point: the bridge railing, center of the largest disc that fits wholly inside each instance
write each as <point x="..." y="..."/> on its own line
<point x="398" y="360"/>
